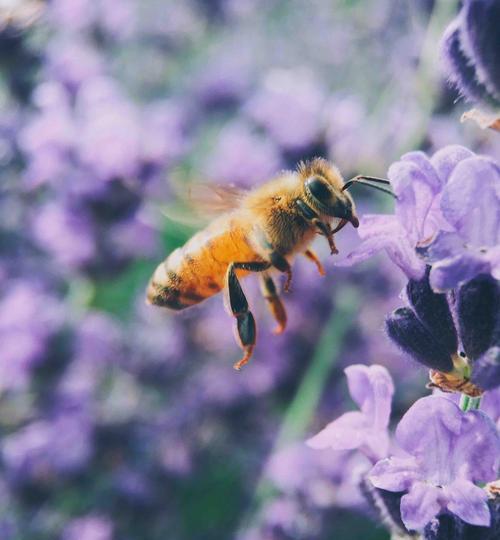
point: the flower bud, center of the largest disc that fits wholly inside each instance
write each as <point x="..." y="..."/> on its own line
<point x="433" y="311"/>
<point x="445" y="527"/>
<point x="385" y="505"/>
<point x="477" y="308"/>
<point x="405" y="329"/>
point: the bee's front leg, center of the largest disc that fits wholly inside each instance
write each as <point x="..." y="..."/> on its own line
<point x="323" y="228"/>
<point x="245" y="322"/>
<point x="326" y="230"/>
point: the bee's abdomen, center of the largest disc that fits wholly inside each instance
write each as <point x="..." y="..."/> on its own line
<point x="186" y="278"/>
<point x="197" y="270"/>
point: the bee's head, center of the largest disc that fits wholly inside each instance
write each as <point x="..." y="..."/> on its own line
<point x="322" y="190"/>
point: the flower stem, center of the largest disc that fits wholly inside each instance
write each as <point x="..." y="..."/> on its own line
<point x="464" y="402"/>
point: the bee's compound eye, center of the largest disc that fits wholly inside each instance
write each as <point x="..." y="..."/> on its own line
<point x="318" y="189"/>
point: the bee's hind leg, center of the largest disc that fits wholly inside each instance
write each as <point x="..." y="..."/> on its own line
<point x="276" y="306"/>
<point x="245" y="322"/>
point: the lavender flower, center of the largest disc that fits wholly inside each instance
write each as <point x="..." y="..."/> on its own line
<point x="446" y="215"/>
<point x="470" y="51"/>
<point x="372" y="389"/>
<point x="447" y="453"/>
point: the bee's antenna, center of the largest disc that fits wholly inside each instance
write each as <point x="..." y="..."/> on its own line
<point x="365" y="181"/>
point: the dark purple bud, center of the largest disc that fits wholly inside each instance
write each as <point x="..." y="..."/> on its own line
<point x="445" y="527"/>
<point x="385" y="505"/>
<point x="460" y="71"/>
<point x="433" y="311"/>
<point x="405" y="329"/>
<point x="477" y="309"/>
<point x="486" y="369"/>
<point x="480" y="38"/>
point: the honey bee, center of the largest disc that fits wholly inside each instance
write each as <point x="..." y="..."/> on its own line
<point x="262" y="230"/>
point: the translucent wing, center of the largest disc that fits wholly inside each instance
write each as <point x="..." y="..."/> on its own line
<point x="200" y="203"/>
<point x="214" y="199"/>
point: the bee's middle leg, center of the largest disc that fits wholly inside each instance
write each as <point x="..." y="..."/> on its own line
<point x="245" y="322"/>
<point x="275" y="304"/>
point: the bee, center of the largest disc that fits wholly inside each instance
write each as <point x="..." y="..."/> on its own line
<point x="260" y="231"/>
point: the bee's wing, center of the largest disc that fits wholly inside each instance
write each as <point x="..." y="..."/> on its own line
<point x="214" y="199"/>
<point x="201" y="203"/>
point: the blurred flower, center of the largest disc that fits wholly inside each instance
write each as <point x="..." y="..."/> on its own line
<point x="243" y="157"/>
<point x="447" y="452"/>
<point x="66" y="233"/>
<point x="470" y="49"/>
<point x="289" y="106"/>
<point x="29" y="318"/>
<point x="45" y="448"/>
<point x="446" y="214"/>
<point x="89" y="527"/>
<point x="372" y="389"/>
<point x="72" y="62"/>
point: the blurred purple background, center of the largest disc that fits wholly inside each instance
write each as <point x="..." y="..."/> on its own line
<point x="123" y="421"/>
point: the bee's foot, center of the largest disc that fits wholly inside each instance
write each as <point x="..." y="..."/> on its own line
<point x="279" y="329"/>
<point x="246" y="358"/>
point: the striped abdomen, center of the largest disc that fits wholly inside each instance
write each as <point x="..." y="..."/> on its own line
<point x="197" y="270"/>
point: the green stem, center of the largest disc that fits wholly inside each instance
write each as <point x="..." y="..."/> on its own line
<point x="464" y="402"/>
<point x="468" y="403"/>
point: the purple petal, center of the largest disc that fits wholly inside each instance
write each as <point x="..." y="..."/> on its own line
<point x="476" y="450"/>
<point x="468" y="502"/>
<point x="445" y="245"/>
<point x="345" y="433"/>
<point x="470" y="201"/>
<point x="415" y="194"/>
<point x="371" y="387"/>
<point x="420" y="505"/>
<point x="373" y="226"/>
<point x="446" y="159"/>
<point x="449" y="273"/>
<point x="424" y="164"/>
<point x="403" y="255"/>
<point x="394" y="474"/>
<point x="448" y="443"/>
<point x="427" y="431"/>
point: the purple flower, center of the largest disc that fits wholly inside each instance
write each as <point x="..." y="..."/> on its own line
<point x="447" y="452"/>
<point x="446" y="215"/>
<point x="89" y="527"/>
<point x="372" y="389"/>
<point x="470" y="51"/>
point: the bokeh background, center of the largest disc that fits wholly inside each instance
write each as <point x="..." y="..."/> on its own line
<point x="120" y="421"/>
